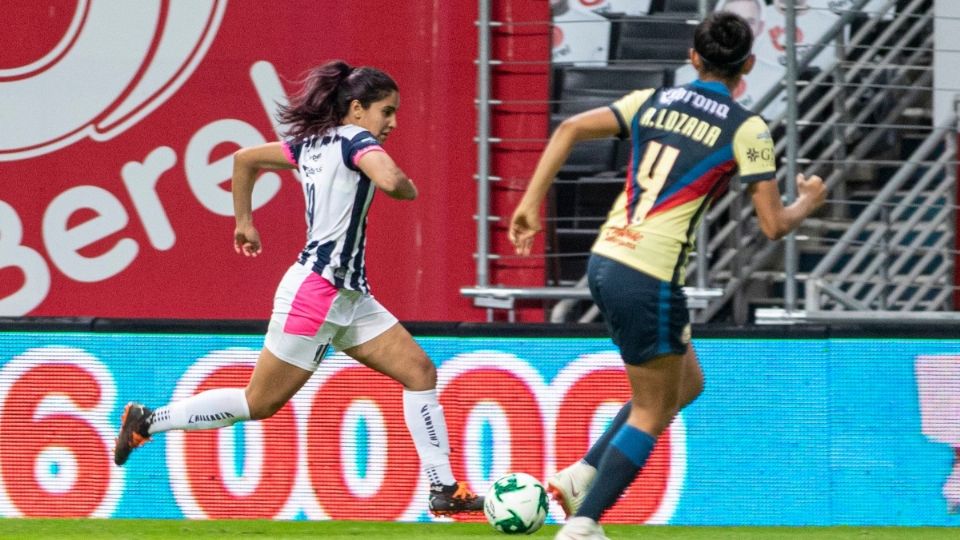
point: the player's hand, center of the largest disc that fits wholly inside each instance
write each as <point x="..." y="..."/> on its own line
<point x="813" y="189"/>
<point x="524" y="225"/>
<point x="246" y="240"/>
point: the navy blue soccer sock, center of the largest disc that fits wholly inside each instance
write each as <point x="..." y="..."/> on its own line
<point x="600" y="446"/>
<point x="624" y="458"/>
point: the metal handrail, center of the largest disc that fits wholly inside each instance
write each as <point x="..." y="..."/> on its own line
<point x="884" y="60"/>
<point x="916" y="192"/>
<point x="889" y="189"/>
<point x="873" y="139"/>
<point x="818" y="276"/>
<point x="814" y="51"/>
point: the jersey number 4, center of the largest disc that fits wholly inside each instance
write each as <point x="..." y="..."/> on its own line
<point x="658" y="160"/>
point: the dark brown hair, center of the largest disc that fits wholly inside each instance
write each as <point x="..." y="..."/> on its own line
<point x="326" y="94"/>
<point x="724" y="41"/>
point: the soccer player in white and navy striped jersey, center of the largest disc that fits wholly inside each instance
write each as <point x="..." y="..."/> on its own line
<point x="336" y="128"/>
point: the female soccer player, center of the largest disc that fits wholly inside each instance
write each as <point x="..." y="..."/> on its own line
<point x="337" y="125"/>
<point x="686" y="144"/>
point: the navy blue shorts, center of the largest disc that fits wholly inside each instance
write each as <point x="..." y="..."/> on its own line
<point x="646" y="317"/>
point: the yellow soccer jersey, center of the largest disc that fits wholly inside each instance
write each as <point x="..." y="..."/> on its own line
<point x="686" y="144"/>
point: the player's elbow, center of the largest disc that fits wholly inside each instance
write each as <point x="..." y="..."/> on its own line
<point x="242" y="159"/>
<point x="773" y="225"/>
<point x="773" y="231"/>
<point x="398" y="186"/>
<point x="570" y="129"/>
<point x="567" y="125"/>
<point x="406" y="194"/>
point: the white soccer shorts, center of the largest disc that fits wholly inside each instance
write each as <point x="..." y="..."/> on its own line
<point x="310" y="314"/>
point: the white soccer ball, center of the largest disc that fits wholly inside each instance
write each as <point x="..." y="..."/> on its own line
<point x="516" y="504"/>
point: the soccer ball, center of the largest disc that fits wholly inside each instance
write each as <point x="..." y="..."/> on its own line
<point x="516" y="504"/>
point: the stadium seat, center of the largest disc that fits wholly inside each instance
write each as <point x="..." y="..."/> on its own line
<point x="661" y="38"/>
<point x="587" y="157"/>
<point x="581" y="204"/>
<point x="686" y="7"/>
<point x="621" y="77"/>
<point x="578" y="89"/>
<point x="582" y="88"/>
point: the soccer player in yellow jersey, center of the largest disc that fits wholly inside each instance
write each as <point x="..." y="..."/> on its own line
<point x="687" y="142"/>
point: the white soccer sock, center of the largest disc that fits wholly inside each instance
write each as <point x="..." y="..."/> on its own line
<point x="428" y="427"/>
<point x="216" y="408"/>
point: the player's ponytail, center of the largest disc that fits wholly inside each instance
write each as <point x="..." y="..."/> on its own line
<point x="327" y="93"/>
<point x="724" y="41"/>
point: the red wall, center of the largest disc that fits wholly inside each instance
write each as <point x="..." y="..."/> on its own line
<point x="163" y="252"/>
<point x="523" y="78"/>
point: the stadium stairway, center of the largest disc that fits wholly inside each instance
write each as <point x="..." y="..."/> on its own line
<point x="860" y="123"/>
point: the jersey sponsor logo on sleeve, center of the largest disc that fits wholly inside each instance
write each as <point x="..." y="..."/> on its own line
<point x="764" y="154"/>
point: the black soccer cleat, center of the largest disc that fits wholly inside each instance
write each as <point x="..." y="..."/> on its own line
<point x="454" y="499"/>
<point x="133" y="431"/>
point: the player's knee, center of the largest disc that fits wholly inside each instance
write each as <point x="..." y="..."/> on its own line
<point x="262" y="408"/>
<point x="262" y="412"/>
<point x="695" y="389"/>
<point x="424" y="374"/>
<point x="692" y="385"/>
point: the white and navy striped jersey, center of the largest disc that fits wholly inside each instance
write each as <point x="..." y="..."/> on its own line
<point x="338" y="196"/>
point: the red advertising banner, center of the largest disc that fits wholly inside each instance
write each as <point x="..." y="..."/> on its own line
<point x="340" y="449"/>
<point x="118" y="125"/>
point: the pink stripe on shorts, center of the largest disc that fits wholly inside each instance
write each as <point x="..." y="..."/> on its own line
<point x="310" y="306"/>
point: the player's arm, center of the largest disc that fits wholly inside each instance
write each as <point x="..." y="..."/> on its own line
<point x="753" y="150"/>
<point x="777" y="220"/>
<point x="593" y="124"/>
<point x="247" y="164"/>
<point x="386" y="175"/>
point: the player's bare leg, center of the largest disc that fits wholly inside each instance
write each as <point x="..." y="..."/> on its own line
<point x="657" y="388"/>
<point x="395" y="354"/>
<point x="271" y="386"/>
<point x="569" y="486"/>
